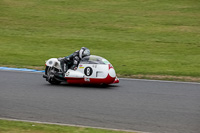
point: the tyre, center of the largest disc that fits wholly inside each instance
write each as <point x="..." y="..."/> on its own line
<point x="49" y="71"/>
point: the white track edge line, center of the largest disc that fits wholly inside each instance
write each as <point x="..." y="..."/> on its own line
<point x="72" y="125"/>
<point x="164" y="81"/>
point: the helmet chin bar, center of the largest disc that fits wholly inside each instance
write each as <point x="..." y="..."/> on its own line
<point x="86" y="52"/>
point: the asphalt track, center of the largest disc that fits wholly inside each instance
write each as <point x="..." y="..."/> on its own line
<point x="142" y="105"/>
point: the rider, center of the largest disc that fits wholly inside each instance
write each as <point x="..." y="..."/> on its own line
<point x="73" y="60"/>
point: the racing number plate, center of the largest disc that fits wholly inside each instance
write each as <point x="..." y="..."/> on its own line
<point x="88" y="71"/>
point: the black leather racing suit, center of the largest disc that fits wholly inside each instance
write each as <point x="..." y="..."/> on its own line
<point x="70" y="62"/>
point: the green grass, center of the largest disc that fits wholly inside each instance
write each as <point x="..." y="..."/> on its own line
<point x="27" y="127"/>
<point x="155" y="37"/>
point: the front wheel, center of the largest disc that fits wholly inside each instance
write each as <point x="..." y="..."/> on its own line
<point x="49" y="71"/>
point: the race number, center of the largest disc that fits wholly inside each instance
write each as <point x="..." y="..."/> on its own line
<point x="88" y="71"/>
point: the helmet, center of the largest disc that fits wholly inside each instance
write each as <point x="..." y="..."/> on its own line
<point x="84" y="52"/>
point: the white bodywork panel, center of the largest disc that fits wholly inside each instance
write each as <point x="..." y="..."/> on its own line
<point x="53" y="62"/>
<point x="98" y="70"/>
<point x="89" y="71"/>
<point x="74" y="74"/>
<point x="112" y="72"/>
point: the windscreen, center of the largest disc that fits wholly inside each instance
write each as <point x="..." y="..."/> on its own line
<point x="93" y="59"/>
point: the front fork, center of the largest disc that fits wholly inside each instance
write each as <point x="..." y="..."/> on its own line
<point x="49" y="73"/>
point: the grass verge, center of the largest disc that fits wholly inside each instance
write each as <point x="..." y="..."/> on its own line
<point x="153" y="37"/>
<point x="7" y="126"/>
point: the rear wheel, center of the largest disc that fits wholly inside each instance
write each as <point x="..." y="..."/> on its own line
<point x="49" y="71"/>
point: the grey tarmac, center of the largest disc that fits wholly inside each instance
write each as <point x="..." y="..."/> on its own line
<point x="141" y="105"/>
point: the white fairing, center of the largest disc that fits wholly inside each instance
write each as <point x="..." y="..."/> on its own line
<point x="74" y="74"/>
<point x="88" y="71"/>
<point x="53" y="62"/>
<point x="93" y="70"/>
<point x="112" y="73"/>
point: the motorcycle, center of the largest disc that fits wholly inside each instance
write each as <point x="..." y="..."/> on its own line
<point x="91" y="70"/>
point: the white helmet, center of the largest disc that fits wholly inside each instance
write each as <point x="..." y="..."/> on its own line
<point x="84" y="52"/>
